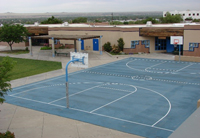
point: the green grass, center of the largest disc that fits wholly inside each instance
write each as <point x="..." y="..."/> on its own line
<point x="29" y="67"/>
<point x="16" y="52"/>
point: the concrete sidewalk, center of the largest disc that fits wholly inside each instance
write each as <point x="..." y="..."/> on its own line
<point x="27" y="123"/>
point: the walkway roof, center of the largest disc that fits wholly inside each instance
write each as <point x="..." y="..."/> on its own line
<point x="67" y="37"/>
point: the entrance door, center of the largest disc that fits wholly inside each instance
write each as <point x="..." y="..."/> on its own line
<point x="96" y="44"/>
<point x="82" y="44"/>
<point x="170" y="48"/>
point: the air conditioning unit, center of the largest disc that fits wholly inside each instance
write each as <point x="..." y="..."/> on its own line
<point x="149" y="24"/>
<point x="36" y="24"/>
<point x="65" y="24"/>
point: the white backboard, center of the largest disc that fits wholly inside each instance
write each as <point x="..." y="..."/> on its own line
<point x="176" y="39"/>
<point x="80" y="56"/>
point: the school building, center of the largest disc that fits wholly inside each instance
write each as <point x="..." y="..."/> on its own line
<point x="148" y="38"/>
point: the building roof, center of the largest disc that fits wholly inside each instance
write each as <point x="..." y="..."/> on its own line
<point x="67" y="37"/>
<point x="109" y="26"/>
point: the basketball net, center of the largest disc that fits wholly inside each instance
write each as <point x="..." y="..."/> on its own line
<point x="175" y="44"/>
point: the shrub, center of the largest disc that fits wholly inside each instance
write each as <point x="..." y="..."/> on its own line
<point x="61" y="46"/>
<point x="121" y="44"/>
<point x="115" y="49"/>
<point x="45" y="48"/>
<point x="107" y="47"/>
<point x="26" y="49"/>
<point x="7" y="134"/>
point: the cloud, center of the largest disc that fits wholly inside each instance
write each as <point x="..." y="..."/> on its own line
<point x="38" y="6"/>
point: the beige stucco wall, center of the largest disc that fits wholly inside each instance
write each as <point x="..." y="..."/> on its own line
<point x="110" y="36"/>
<point x="130" y="36"/>
<point x="191" y="36"/>
<point x="14" y="44"/>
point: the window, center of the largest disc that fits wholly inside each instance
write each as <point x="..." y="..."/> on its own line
<point x="193" y="14"/>
<point x="172" y="14"/>
<point x="134" y="43"/>
<point x="189" y="14"/>
<point x="192" y="46"/>
<point x="160" y="44"/>
<point x="146" y="43"/>
<point x="197" y="14"/>
<point x="184" y="14"/>
<point x="165" y="15"/>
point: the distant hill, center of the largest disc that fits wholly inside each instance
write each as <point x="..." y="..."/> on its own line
<point x="10" y="15"/>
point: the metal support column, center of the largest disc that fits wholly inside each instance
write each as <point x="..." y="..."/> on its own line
<point x="30" y="46"/>
<point x="79" y="45"/>
<point x="100" y="44"/>
<point x="75" y="46"/>
<point x="67" y="86"/>
<point x="53" y="47"/>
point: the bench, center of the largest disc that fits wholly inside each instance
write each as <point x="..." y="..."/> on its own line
<point x="59" y="53"/>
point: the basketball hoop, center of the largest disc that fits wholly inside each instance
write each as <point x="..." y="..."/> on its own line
<point x="175" y="44"/>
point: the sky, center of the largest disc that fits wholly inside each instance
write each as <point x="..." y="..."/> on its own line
<point x="43" y="6"/>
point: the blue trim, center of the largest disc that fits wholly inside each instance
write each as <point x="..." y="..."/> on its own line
<point x="146" y="43"/>
<point x="96" y="44"/>
<point x="134" y="43"/>
<point x="29" y="37"/>
<point x="82" y="44"/>
<point x="192" y="46"/>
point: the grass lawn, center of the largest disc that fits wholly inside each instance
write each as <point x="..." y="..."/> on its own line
<point x="16" y="52"/>
<point x="29" y="67"/>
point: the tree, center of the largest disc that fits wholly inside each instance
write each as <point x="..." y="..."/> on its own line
<point x="171" y="19"/>
<point x="52" y="20"/>
<point x="121" y="44"/>
<point x="5" y="67"/>
<point x="13" y="34"/>
<point x="97" y="21"/>
<point x="116" y="23"/>
<point x="80" y="20"/>
<point x="196" y="20"/>
<point x="107" y="47"/>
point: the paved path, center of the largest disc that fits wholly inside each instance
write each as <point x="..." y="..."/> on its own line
<point x="27" y="123"/>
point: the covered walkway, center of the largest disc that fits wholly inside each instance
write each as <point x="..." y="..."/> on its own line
<point x="66" y="37"/>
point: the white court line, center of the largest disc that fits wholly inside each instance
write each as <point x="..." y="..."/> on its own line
<point x="80" y="71"/>
<point x="167" y="101"/>
<point x="28" y="90"/>
<point x="132" y="122"/>
<point x="131" y="67"/>
<point x="114" y="100"/>
<point x="154" y="65"/>
<point x="96" y="114"/>
<point x="115" y="89"/>
<point x="27" y="85"/>
<point x="183" y="68"/>
<point x="74" y="94"/>
<point x="169" y="109"/>
<point x="123" y="120"/>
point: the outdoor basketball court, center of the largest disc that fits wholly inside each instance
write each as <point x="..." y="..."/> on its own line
<point x="146" y="97"/>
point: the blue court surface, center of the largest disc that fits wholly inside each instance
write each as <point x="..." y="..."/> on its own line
<point x="145" y="97"/>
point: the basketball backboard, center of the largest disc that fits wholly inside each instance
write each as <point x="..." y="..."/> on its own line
<point x="83" y="59"/>
<point x="178" y="40"/>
